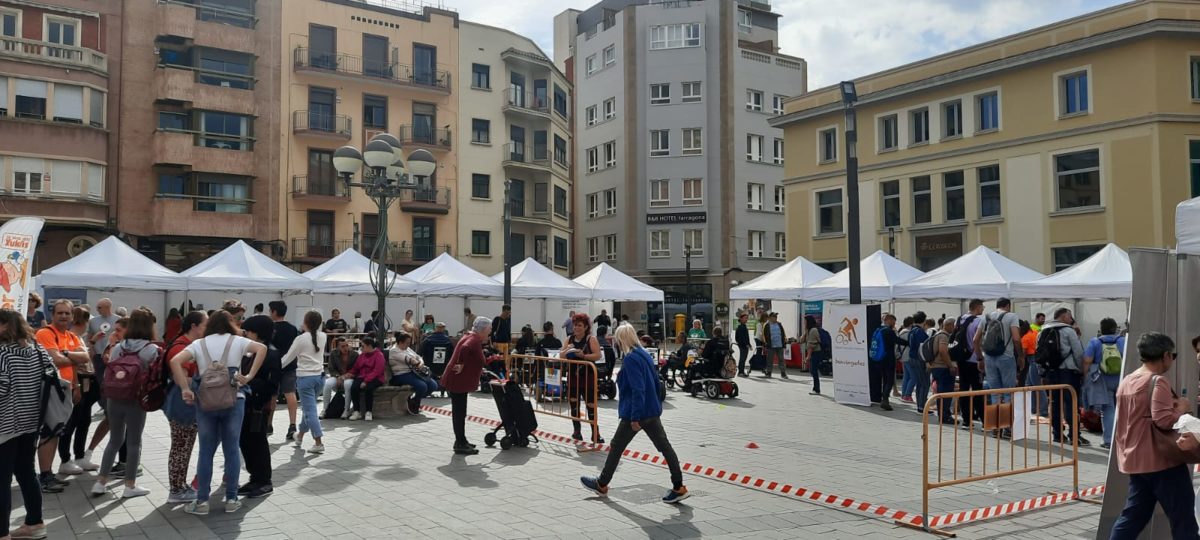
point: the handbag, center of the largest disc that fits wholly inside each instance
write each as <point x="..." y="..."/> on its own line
<point x="997" y="416"/>
<point x="1166" y="440"/>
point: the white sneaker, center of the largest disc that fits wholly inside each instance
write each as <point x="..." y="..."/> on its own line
<point x="86" y="463"/>
<point x="367" y="417"/>
<point x="317" y="449"/>
<point x="356" y="416"/>
<point x="184" y="495"/>
<point x="198" y="508"/>
<point x="135" y="491"/>
<point x="346" y="414"/>
<point x="99" y="490"/>
<point x="232" y="505"/>
<point x="70" y="468"/>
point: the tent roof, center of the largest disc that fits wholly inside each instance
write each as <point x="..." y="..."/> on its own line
<point x="112" y="264"/>
<point x="240" y="267"/>
<point x="608" y="283"/>
<point x="350" y="273"/>
<point x="784" y="283"/>
<point x="1187" y="226"/>
<point x="532" y="280"/>
<point x="1106" y="274"/>
<point x="880" y="272"/>
<point x="981" y="273"/>
<point x="446" y="276"/>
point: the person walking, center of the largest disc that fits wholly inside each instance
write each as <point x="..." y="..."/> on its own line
<point x="776" y="339"/>
<point x="943" y="370"/>
<point x="907" y="384"/>
<point x="181" y="417"/>
<point x="1148" y="403"/>
<point x="263" y="389"/>
<point x="369" y="373"/>
<point x="887" y="365"/>
<point x="1102" y="364"/>
<point x="223" y="426"/>
<point x="962" y="351"/>
<point x="640" y="409"/>
<point x="816" y="353"/>
<point x="24" y="363"/>
<point x="409" y="368"/>
<point x="915" y="364"/>
<point x="461" y="376"/>
<point x="603" y="319"/>
<point x="308" y="353"/>
<point x="995" y="343"/>
<point x="1064" y="367"/>
<point x="282" y="338"/>
<point x="581" y="382"/>
<point x="741" y="336"/>
<point x="126" y="419"/>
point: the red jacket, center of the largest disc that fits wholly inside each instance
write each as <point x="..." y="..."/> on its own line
<point x="469" y="354"/>
<point x="370" y="367"/>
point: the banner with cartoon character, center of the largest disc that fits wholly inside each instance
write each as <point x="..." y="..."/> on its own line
<point x="18" y="239"/>
<point x="851" y="376"/>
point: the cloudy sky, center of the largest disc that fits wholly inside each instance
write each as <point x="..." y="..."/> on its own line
<point x="842" y="39"/>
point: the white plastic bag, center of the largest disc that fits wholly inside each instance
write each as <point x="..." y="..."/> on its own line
<point x="1188" y="424"/>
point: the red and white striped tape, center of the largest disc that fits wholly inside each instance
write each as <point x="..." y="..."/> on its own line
<point x="1008" y="509"/>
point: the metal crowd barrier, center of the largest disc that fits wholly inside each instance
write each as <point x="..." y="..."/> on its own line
<point x="551" y="383"/>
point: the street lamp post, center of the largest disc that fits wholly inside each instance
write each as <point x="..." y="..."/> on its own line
<point x="387" y="176"/>
<point x="849" y="97"/>
<point x="507" y="245"/>
<point x="687" y="276"/>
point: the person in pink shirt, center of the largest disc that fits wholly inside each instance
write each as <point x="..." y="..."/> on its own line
<point x="1147" y="402"/>
<point x="369" y="373"/>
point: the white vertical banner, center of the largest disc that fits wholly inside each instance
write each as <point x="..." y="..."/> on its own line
<point x="847" y="325"/>
<point x="1022" y="402"/>
<point x="18" y="240"/>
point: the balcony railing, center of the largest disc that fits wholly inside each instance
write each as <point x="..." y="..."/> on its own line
<point x="201" y="203"/>
<point x="218" y="14"/>
<point x="313" y="248"/>
<point x="520" y="152"/>
<point x="528" y="101"/>
<point x="437" y="138"/>
<point x="309" y="121"/>
<point x="348" y="64"/>
<point x="319" y="186"/>
<point x="53" y="53"/>
<point x="426" y="200"/>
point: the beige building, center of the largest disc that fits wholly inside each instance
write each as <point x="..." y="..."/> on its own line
<point x="1044" y="145"/>
<point x="354" y="70"/>
<point x="514" y="116"/>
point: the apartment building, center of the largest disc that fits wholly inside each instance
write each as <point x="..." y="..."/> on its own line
<point x="515" y="119"/>
<point x="199" y="117"/>
<point x="354" y="70"/>
<point x="59" y="75"/>
<point x="676" y="164"/>
<point x="1043" y="145"/>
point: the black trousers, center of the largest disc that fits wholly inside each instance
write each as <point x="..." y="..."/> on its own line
<point x="256" y="452"/>
<point x="887" y="378"/>
<point x="363" y="395"/>
<point x="969" y="378"/>
<point x="1068" y="405"/>
<point x="743" y="353"/>
<point x="458" y="416"/>
<point x="16" y="459"/>
<point x="874" y="379"/>
<point x="653" y="428"/>
<point x="76" y="431"/>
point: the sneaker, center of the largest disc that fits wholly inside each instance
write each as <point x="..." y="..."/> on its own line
<point x="1083" y="441"/>
<point x="676" y="495"/>
<point x="346" y="414"/>
<point x="291" y="434"/>
<point x="184" y="495"/>
<point x="1105" y="445"/>
<point x="784" y="375"/>
<point x="49" y="485"/>
<point x="297" y="439"/>
<point x="814" y="393"/>
<point x="413" y="408"/>
<point x="906" y="399"/>
<point x="118" y="471"/>
<point x="592" y="483"/>
<point x="232" y="505"/>
<point x="135" y="491"/>
<point x="261" y="491"/>
<point x="885" y="406"/>
<point x="368" y="417"/>
<point x="197" y="508"/>
<point x="465" y="449"/>
<point x="247" y="488"/>
<point x="355" y="417"/>
<point x="86" y="463"/>
<point x="30" y="532"/>
<point x="317" y="449"/>
<point x="99" y="489"/>
<point x="70" y="468"/>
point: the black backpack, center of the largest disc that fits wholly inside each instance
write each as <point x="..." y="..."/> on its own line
<point x="960" y="346"/>
<point x="1049" y="349"/>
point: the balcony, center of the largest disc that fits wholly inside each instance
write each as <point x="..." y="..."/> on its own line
<point x="526" y="102"/>
<point x="332" y="126"/>
<point x="318" y="188"/>
<point x="192" y="215"/>
<point x="426" y="200"/>
<point x="521" y="156"/>
<point x="415" y="254"/>
<point x="344" y="65"/>
<point x="432" y="139"/>
<point x="315" y="249"/>
<point x="203" y="152"/>
<point x="541" y="215"/>
<point x="231" y="93"/>
<point x="207" y="25"/>
<point x="42" y="52"/>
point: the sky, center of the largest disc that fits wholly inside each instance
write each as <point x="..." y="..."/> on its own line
<point x="840" y="40"/>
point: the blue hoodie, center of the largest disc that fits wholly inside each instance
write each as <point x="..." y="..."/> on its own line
<point x="637" y="386"/>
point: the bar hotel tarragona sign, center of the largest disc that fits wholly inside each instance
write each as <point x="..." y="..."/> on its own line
<point x="676" y="218"/>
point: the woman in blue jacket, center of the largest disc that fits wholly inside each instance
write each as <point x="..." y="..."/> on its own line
<point x="640" y="409"/>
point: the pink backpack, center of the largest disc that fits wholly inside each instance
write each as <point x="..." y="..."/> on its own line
<point x="125" y="376"/>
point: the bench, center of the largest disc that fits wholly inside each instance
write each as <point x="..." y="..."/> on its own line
<point x="391" y="401"/>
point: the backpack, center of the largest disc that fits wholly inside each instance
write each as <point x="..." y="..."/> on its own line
<point x="994" y="342"/>
<point x="877" y="350"/>
<point x="1110" y="357"/>
<point x="158" y="376"/>
<point x="826" y="343"/>
<point x="336" y="406"/>
<point x="217" y="390"/>
<point x="927" y="352"/>
<point x="960" y="342"/>
<point x="1049" y="349"/>
<point x="125" y="376"/>
<point x="729" y="369"/>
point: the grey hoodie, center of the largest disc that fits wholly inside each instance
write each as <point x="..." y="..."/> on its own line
<point x="146" y="352"/>
<point x="1072" y="348"/>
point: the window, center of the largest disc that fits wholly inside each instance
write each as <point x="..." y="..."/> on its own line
<point x="96" y="118"/>
<point x="889" y="134"/>
<point x="755" y="244"/>
<point x="610" y="108"/>
<point x="610" y="247"/>
<point x="1066" y="257"/>
<point x="593" y="158"/>
<point x="890" y="193"/>
<point x="952" y="119"/>
<point x="755" y="193"/>
<point x="660" y="193"/>
<point x="754" y="100"/>
<point x="829" y="211"/>
<point x="694" y="239"/>
<point x="223" y="130"/>
<point x="1194" y="156"/>
<point x="920" y="126"/>
<point x="1195" y="78"/>
<point x="593" y="249"/>
<point x="68" y="177"/>
<point x="660" y="244"/>
<point x="828" y="141"/>
<point x="560" y="151"/>
<point x="780" y="245"/>
<point x="223" y="193"/>
<point x="590" y="63"/>
<point x="375" y="112"/>
<point x="778" y="147"/>
<point x="754" y="147"/>
<point x="233" y="69"/>
<point x="27" y="175"/>
<point x="610" y="154"/>
<point x="370" y="232"/>
<point x="777" y="104"/>
<point x="560" y="252"/>
<point x="988" y="110"/>
<point x="560" y="201"/>
<point x="956" y="196"/>
<point x="610" y="202"/>
<point x="1074" y="94"/>
<point x="172" y="183"/>
<point x="989" y="191"/>
<point x="425" y="73"/>
<point x="693" y="142"/>
<point x="174" y="121"/>
<point x="674" y="36"/>
<point x="481" y="186"/>
<point x="590" y="115"/>
<point x="8" y="23"/>
<point x="691" y="92"/>
<point x="660" y="94"/>
<point x="322" y="177"/>
<point x="780" y="199"/>
<point x="95" y="180"/>
<point x="660" y="142"/>
<point x="481" y="131"/>
<point x="744" y="20"/>
<point x="610" y="55"/>
<point x="560" y="101"/>
<point x="1078" y="176"/>
<point x="68" y="103"/>
<point x="61" y="32"/>
<point x="516" y="197"/>
<point x="922" y="200"/>
<point x="481" y="76"/>
<point x="31" y="99"/>
<point x="516" y="247"/>
<point x="693" y="191"/>
<point x="481" y="243"/>
<point x="593" y="205"/>
<point x="541" y="198"/>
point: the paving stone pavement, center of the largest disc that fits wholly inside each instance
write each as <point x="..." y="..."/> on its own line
<point x="398" y="479"/>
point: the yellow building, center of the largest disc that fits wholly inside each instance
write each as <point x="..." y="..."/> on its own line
<point x="1044" y="145"/>
<point x="353" y="70"/>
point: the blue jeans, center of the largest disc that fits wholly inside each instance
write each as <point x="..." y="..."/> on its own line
<point x="920" y="381"/>
<point x="909" y="384"/>
<point x="421" y="386"/>
<point x="223" y="428"/>
<point x="1108" y="415"/>
<point x="1034" y="378"/>
<point x="308" y="387"/>
<point x="1000" y="373"/>
<point x="1170" y="488"/>
<point x="945" y="383"/>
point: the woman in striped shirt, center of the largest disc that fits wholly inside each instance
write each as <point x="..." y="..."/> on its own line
<point x="22" y="364"/>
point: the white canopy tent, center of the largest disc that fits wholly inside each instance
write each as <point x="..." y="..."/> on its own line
<point x="446" y="276"/>
<point x="784" y="283"/>
<point x="532" y="280"/>
<point x="1106" y="274"/>
<point x="240" y="267"/>
<point x="609" y="284"/>
<point x="1187" y="226"/>
<point x="350" y="273"/>
<point x="110" y="265"/>
<point x="982" y="273"/>
<point x="880" y="273"/>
